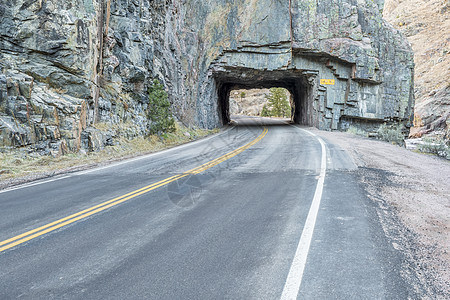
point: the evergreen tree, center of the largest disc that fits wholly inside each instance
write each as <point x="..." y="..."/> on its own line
<point x="159" y="110"/>
<point x="265" y="112"/>
<point x="278" y="105"/>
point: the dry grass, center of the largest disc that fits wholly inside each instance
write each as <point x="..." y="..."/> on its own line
<point x="17" y="163"/>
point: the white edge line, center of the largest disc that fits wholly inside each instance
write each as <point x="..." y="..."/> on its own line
<point x="26" y="185"/>
<point x="33" y="184"/>
<point x="295" y="276"/>
<point x="188" y="144"/>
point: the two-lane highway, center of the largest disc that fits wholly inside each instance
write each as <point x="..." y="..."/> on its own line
<point x="263" y="210"/>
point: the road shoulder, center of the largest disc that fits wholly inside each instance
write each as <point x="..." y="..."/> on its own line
<point x="411" y="192"/>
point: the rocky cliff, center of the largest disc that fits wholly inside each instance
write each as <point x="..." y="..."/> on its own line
<point x="426" y="24"/>
<point x="68" y="67"/>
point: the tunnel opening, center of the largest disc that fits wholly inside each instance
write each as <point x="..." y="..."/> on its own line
<point x="270" y="103"/>
<point x="300" y="86"/>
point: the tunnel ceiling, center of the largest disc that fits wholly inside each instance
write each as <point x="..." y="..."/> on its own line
<point x="252" y="78"/>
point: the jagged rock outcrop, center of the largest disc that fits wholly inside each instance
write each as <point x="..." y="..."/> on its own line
<point x="69" y="65"/>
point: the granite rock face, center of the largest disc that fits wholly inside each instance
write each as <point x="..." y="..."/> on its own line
<point x="68" y="66"/>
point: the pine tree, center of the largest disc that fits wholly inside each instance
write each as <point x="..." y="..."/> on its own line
<point x="278" y="105"/>
<point x="161" y="120"/>
<point x="265" y="112"/>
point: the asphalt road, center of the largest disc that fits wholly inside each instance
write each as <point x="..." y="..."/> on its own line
<point x="274" y="217"/>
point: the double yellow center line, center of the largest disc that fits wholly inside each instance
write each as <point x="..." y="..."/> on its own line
<point x="29" y="235"/>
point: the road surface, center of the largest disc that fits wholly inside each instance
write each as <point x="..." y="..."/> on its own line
<point x="263" y="210"/>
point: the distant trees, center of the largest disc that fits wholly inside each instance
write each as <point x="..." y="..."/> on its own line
<point x="277" y="105"/>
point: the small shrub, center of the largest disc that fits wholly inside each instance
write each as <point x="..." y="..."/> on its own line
<point x="161" y="120"/>
<point x="357" y="131"/>
<point x="391" y="134"/>
<point x="435" y="146"/>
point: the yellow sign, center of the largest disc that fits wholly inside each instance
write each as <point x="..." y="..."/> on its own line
<point x="327" y="81"/>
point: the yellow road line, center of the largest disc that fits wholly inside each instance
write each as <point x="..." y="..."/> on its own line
<point x="29" y="235"/>
<point x="80" y="213"/>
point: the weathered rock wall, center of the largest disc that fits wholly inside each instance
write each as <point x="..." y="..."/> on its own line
<point x="68" y="66"/>
<point x="47" y="56"/>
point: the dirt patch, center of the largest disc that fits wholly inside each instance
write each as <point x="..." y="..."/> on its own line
<point x="413" y="193"/>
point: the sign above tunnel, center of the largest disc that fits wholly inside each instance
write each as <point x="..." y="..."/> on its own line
<point x="327" y="81"/>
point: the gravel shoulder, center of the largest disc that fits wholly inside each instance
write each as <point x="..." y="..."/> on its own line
<point x="412" y="192"/>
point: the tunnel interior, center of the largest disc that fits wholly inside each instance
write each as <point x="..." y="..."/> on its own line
<point x="298" y="84"/>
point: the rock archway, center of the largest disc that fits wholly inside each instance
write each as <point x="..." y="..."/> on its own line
<point x="326" y="92"/>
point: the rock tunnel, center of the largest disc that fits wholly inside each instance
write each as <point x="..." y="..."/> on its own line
<point x="323" y="92"/>
<point x="326" y="92"/>
<point x="342" y="66"/>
